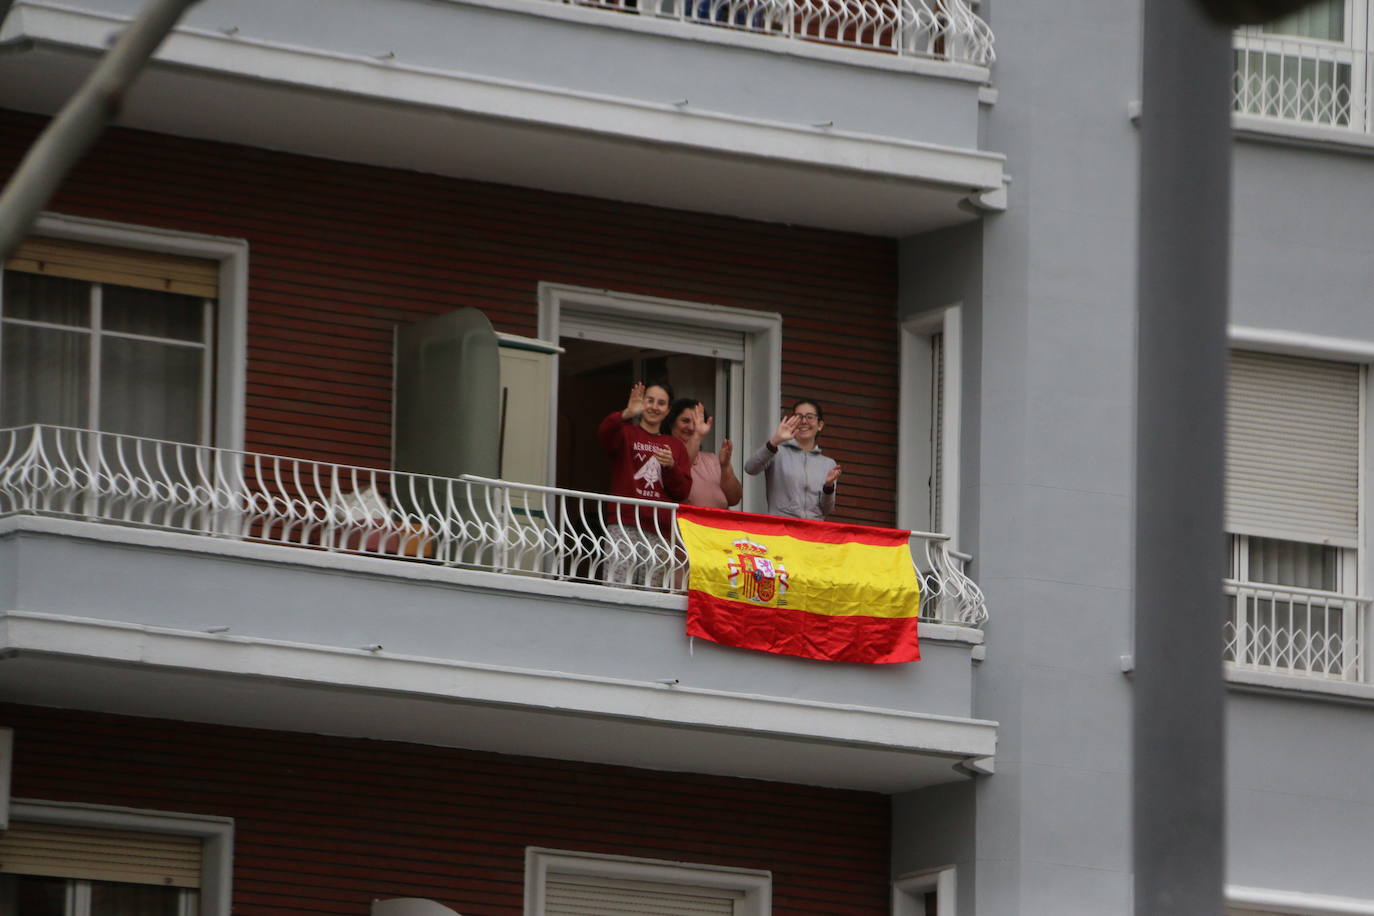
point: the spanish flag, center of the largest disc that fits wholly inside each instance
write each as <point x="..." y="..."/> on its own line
<point x="843" y="593"/>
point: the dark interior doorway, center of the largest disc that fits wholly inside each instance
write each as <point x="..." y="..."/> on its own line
<point x="594" y="378"/>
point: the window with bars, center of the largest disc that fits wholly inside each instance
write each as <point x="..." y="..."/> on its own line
<point x="97" y="337"/>
<point x="1292" y="514"/>
<point x="1310" y="66"/>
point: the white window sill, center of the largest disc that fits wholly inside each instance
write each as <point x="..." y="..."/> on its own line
<point x="1249" y="680"/>
<point x="1282" y="132"/>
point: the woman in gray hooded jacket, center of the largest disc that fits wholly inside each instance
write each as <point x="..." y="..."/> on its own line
<point x="800" y="480"/>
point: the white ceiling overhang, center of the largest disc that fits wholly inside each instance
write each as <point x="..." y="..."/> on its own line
<point x="71" y="662"/>
<point x="374" y="111"/>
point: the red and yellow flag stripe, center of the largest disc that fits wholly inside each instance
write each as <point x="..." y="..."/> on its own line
<point x="796" y="587"/>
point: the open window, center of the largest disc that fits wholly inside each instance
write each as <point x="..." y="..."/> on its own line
<point x="728" y="358"/>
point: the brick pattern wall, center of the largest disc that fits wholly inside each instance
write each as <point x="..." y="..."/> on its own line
<point x="340" y="254"/>
<point x="325" y="825"/>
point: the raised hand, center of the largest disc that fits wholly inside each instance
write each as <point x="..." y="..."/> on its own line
<point x="727" y="448"/>
<point x="701" y="422"/>
<point x="832" y="475"/>
<point x="635" y="407"/>
<point x="786" y="431"/>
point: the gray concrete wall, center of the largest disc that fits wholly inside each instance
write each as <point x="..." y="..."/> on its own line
<point x="934" y="828"/>
<point x="1301" y="800"/>
<point x="1055" y="333"/>
<point x="1300" y="796"/>
<point x="587" y="50"/>
<point x="1301" y="240"/>
<point x="1048" y="326"/>
<point x="1055" y="524"/>
<point x="273" y="597"/>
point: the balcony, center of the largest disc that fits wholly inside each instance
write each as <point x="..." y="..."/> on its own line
<point x="1296" y="631"/>
<point x="166" y="579"/>
<point x="933" y="29"/>
<point x="742" y="108"/>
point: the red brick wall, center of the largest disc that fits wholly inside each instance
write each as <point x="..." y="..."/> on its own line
<point x="340" y="254"/>
<point x="325" y="825"/>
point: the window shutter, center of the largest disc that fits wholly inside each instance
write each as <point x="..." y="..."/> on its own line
<point x="58" y="851"/>
<point x="1293" y="448"/>
<point x="123" y="267"/>
<point x="651" y="332"/>
<point x="579" y="895"/>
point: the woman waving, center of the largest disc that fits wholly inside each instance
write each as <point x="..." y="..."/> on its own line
<point x="645" y="464"/>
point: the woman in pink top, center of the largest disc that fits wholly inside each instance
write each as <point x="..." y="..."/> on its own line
<point x="714" y="482"/>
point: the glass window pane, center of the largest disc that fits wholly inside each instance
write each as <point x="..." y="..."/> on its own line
<point x="151" y="313"/>
<point x="1324" y="20"/>
<point x="1291" y="563"/>
<point x="110" y="899"/>
<point x="26" y="895"/>
<point x="150" y="389"/>
<point x="44" y="376"/>
<point x="34" y="297"/>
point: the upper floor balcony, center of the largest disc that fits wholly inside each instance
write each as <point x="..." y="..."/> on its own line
<point x="160" y="578"/>
<point x="861" y="117"/>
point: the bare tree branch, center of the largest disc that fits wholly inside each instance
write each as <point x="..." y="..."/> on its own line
<point x="81" y="120"/>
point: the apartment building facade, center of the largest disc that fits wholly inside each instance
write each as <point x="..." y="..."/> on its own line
<point x="252" y="637"/>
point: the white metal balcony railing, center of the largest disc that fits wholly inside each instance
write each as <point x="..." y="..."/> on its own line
<point x="941" y="29"/>
<point x="472" y="523"/>
<point x="1301" y="79"/>
<point x="1299" y="631"/>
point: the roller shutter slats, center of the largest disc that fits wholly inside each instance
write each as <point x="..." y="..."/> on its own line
<point x="123" y="267"/>
<point x="131" y="857"/>
<point x="1293" y="448"/>
<point x="569" y="895"/>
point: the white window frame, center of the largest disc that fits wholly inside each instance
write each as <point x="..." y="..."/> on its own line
<point x="231" y="321"/>
<point x="1338" y="349"/>
<point x="1352" y="51"/>
<point x="756" y="392"/>
<point x="540" y="863"/>
<point x="913" y="429"/>
<point x="908" y="890"/>
<point x="215" y="833"/>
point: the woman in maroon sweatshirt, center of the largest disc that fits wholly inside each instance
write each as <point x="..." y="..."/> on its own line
<point x="646" y="464"/>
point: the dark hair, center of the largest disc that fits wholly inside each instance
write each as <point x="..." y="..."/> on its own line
<point x="660" y="384"/>
<point x="820" y="414"/>
<point x="674" y="411"/>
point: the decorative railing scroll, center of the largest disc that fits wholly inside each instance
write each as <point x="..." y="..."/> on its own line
<point x="471" y="522"/>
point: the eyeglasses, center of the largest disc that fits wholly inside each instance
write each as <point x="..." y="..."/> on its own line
<point x="806" y="416"/>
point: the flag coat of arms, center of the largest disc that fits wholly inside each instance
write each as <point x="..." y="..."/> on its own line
<point x="796" y="587"/>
